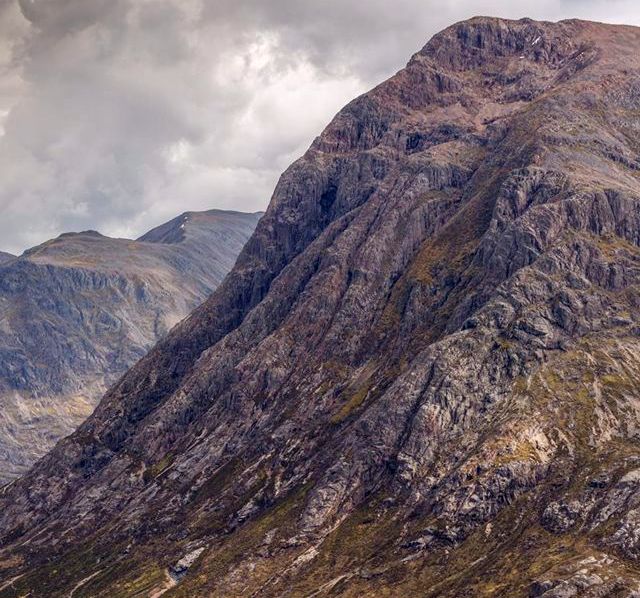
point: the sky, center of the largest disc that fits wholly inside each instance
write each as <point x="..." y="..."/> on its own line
<point x="117" y="115"/>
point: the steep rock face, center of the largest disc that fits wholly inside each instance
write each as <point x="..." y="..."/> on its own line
<point x="420" y="378"/>
<point x="79" y="310"/>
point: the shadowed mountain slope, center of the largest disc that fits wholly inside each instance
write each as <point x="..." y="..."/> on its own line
<point x="77" y="311"/>
<point x="419" y="379"/>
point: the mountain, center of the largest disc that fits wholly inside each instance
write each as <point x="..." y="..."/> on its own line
<point x="4" y="257"/>
<point x="419" y="379"/>
<point x="77" y="311"/>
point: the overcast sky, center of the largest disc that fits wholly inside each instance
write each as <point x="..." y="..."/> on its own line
<point x="117" y="115"/>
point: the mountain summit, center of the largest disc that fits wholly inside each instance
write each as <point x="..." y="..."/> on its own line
<point x="419" y="379"/>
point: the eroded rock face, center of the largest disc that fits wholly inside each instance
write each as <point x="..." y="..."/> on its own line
<point x="420" y="378"/>
<point x="79" y="310"/>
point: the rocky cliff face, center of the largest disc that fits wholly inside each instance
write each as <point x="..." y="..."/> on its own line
<point x="421" y="376"/>
<point x="79" y="310"/>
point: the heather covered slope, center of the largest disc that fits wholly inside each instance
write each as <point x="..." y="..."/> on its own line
<point x="421" y="376"/>
<point x="77" y="311"/>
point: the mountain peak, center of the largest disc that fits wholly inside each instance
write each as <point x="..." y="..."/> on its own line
<point x="469" y="44"/>
<point x="175" y="230"/>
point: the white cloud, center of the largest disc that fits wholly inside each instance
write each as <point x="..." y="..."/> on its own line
<point x="118" y="114"/>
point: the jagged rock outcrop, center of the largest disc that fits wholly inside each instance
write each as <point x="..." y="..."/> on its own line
<point x="421" y="376"/>
<point x="79" y="310"/>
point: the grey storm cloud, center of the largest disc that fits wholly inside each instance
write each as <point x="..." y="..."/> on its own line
<point x="118" y="114"/>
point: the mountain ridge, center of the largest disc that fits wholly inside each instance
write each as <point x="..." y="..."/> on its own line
<point x="78" y="310"/>
<point x="172" y="227"/>
<point x="420" y="376"/>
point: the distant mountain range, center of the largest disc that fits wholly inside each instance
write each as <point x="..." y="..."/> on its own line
<point x="77" y="311"/>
